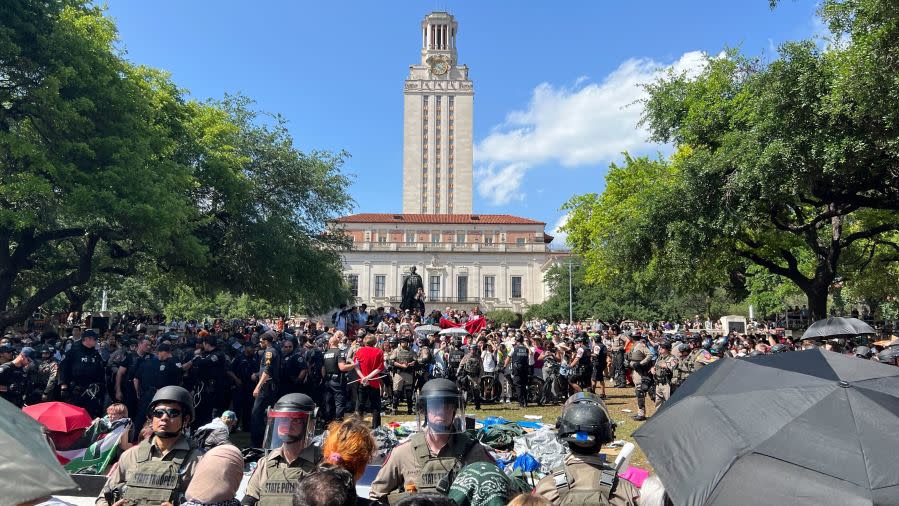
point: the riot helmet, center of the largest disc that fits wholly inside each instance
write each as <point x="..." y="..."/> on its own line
<point x="440" y="407"/>
<point x="585" y="423"/>
<point x="863" y="352"/>
<point x="290" y="420"/>
<point x="707" y="343"/>
<point x="177" y="395"/>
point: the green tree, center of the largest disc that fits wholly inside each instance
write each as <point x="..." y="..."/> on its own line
<point x="89" y="149"/>
<point x="789" y="166"/>
<point x="109" y="171"/>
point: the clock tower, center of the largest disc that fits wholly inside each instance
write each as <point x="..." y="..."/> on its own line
<point x="437" y="125"/>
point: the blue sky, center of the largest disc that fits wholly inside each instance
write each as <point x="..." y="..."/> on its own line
<point x="554" y="86"/>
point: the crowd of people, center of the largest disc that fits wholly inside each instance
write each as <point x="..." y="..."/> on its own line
<point x="284" y="381"/>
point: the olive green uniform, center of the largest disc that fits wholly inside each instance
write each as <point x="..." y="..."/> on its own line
<point x="149" y="476"/>
<point x="274" y="479"/>
<point x="412" y="464"/>
<point x="664" y="372"/>
<point x="583" y="473"/>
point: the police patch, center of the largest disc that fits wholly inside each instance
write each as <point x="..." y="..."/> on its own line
<point x="162" y="367"/>
<point x="214" y="358"/>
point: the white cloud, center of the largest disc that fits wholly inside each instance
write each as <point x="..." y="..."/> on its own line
<point x="575" y="126"/>
<point x="560" y="239"/>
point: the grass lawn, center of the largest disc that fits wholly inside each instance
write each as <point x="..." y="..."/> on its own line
<point x="617" y="399"/>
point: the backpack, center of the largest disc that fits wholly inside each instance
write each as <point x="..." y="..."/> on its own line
<point x="600" y="495"/>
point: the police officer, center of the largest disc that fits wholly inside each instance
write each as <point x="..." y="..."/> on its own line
<point x="663" y="372"/>
<point x="402" y="361"/>
<point x="335" y="374"/>
<point x="453" y="358"/>
<point x="82" y="380"/>
<point x="423" y="361"/>
<point x="598" y="361"/>
<point x="13" y="375"/>
<point x="698" y="356"/>
<point x="640" y="360"/>
<point x="266" y="390"/>
<point x="314" y="357"/>
<point x="681" y="372"/>
<point x="293" y="366"/>
<point x="581" y="364"/>
<point x="160" y="468"/>
<point x="617" y="345"/>
<point x="158" y="372"/>
<point x="429" y="460"/>
<point x="244" y="367"/>
<point x="291" y="455"/>
<point x="585" y="478"/>
<point x="521" y="369"/>
<point x="469" y="375"/>
<point x="210" y="371"/>
<point x="47" y="376"/>
<point x="125" y="388"/>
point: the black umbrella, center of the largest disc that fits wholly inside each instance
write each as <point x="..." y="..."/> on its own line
<point x="808" y="427"/>
<point x="837" y="327"/>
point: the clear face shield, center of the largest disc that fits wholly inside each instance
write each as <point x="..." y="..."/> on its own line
<point x="442" y="415"/>
<point x="287" y="427"/>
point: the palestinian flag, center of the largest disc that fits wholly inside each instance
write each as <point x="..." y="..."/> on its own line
<point x="472" y="327"/>
<point x="102" y="451"/>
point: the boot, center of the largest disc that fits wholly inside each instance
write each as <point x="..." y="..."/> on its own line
<point x="640" y="416"/>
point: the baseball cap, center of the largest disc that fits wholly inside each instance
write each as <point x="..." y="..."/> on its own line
<point x="5" y="348"/>
<point x="28" y="351"/>
<point x="89" y="333"/>
<point x="164" y="347"/>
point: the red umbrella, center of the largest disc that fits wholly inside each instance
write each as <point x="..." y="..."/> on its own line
<point x="59" y="416"/>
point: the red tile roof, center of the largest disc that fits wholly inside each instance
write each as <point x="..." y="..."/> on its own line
<point x="439" y="219"/>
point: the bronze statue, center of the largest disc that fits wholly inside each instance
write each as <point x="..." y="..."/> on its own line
<point x="410" y="290"/>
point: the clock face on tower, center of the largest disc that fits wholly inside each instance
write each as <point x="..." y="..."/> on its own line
<point x="440" y="67"/>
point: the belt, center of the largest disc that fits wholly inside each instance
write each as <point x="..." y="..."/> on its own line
<point x="335" y="377"/>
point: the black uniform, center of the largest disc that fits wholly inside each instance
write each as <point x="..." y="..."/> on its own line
<point x="335" y="398"/>
<point x="244" y="367"/>
<point x="314" y="361"/>
<point x="140" y="399"/>
<point x="291" y="368"/>
<point x="521" y="372"/>
<point x="13" y="383"/>
<point x="211" y="385"/>
<point x="470" y="376"/>
<point x="268" y="394"/>
<point x="453" y="359"/>
<point x="583" y="368"/>
<point x="83" y="371"/>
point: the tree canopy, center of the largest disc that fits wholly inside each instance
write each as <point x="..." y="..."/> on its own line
<point x="109" y="167"/>
<point x="788" y="166"/>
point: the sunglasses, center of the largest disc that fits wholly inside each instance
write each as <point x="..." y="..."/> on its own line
<point x="172" y="412"/>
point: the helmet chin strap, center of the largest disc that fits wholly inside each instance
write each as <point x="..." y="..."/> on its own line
<point x="166" y="435"/>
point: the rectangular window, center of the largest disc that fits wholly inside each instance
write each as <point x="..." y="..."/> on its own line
<point x="435" y="237"/>
<point x="516" y="287"/>
<point x="462" y="288"/>
<point x="519" y="241"/>
<point x="382" y="238"/>
<point x="380" y="285"/>
<point x="489" y="287"/>
<point x="488" y="239"/>
<point x="460" y="237"/>
<point x="410" y="237"/>
<point x="433" y="287"/>
<point x="352" y="280"/>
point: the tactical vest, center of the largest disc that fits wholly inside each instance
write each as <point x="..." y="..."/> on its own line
<point x="636" y="354"/>
<point x="600" y="495"/>
<point x="584" y="362"/>
<point x="664" y="375"/>
<point x="438" y="473"/>
<point x="153" y="482"/>
<point x="404" y="356"/>
<point x="519" y="359"/>
<point x="332" y="356"/>
<point x="690" y="362"/>
<point x="281" y="482"/>
<point x="473" y="366"/>
<point x="453" y="360"/>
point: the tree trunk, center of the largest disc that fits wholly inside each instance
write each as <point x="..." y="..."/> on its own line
<point x="817" y="302"/>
